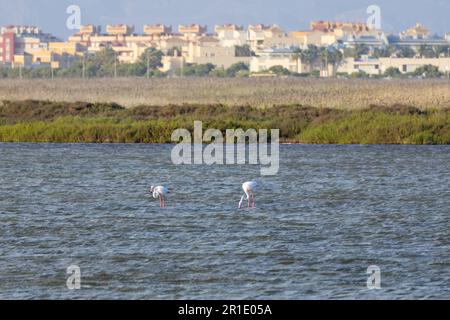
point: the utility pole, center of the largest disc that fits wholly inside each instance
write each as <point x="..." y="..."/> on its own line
<point x="182" y="68"/>
<point x="115" y="65"/>
<point x="148" y="65"/>
<point x="83" y="72"/>
<point x="51" y="65"/>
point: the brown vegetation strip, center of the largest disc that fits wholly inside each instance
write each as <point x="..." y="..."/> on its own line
<point x="261" y="92"/>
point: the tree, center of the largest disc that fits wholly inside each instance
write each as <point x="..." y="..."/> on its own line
<point x="442" y="51"/>
<point x="153" y="57"/>
<point x="384" y="52"/>
<point x="307" y="56"/>
<point x="357" y="51"/>
<point x="405" y="52"/>
<point x="219" y="72"/>
<point x="428" y="71"/>
<point x="329" y="57"/>
<point x="174" y="50"/>
<point x="202" y="70"/>
<point x="243" y="51"/>
<point x="99" y="65"/>
<point x="427" y="52"/>
<point x="237" y="68"/>
<point x="198" y="70"/>
<point x="279" y="71"/>
<point x="392" y="72"/>
<point x="359" y="74"/>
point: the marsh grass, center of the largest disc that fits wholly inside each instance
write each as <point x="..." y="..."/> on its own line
<point x="257" y="92"/>
<point x="43" y="121"/>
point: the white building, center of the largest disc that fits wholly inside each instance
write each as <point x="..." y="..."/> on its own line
<point x="209" y="50"/>
<point x="269" y="58"/>
<point x="373" y="66"/>
<point x="231" y="35"/>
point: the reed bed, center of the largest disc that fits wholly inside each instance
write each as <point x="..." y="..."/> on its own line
<point x="256" y="92"/>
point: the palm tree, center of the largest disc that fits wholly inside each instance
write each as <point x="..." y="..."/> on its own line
<point x="323" y="54"/>
<point x="422" y="51"/>
<point x="441" y="50"/>
<point x="307" y="56"/>
<point x="336" y="58"/>
<point x="313" y="53"/>
<point x="298" y="55"/>
<point x="329" y="57"/>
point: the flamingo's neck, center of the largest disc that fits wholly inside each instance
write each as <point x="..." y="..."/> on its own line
<point x="241" y="202"/>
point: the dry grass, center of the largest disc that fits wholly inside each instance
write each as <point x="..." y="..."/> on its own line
<point x="342" y="94"/>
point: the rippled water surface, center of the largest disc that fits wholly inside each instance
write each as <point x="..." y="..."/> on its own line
<point x="330" y="213"/>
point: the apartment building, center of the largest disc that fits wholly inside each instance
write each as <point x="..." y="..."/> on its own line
<point x="371" y="39"/>
<point x="208" y="50"/>
<point x="17" y="41"/>
<point x="90" y="29"/>
<point x="231" y="35"/>
<point x="192" y="31"/>
<point x="173" y="42"/>
<point x="157" y="29"/>
<point x="275" y="37"/>
<point x="373" y="66"/>
<point x="129" y="53"/>
<point x="332" y="26"/>
<point x="269" y="58"/>
<point x="129" y="46"/>
<point x="416" y="37"/>
<point x="316" y="38"/>
<point x="73" y="49"/>
<point x="418" y="32"/>
<point x="256" y="36"/>
<point x="119" y="29"/>
<point x="7" y="47"/>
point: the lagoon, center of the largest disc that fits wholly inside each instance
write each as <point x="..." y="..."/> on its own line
<point x="329" y="214"/>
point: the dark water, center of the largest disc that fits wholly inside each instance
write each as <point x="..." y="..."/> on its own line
<point x="330" y="213"/>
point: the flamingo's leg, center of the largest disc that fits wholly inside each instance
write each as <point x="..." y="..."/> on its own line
<point x="253" y="197"/>
<point x="164" y="202"/>
<point x="160" y="202"/>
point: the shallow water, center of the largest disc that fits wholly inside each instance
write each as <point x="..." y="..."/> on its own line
<point x="330" y="213"/>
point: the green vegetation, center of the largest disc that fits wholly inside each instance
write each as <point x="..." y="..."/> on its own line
<point x="43" y="121"/>
<point x="239" y="69"/>
<point x="392" y="72"/>
<point x="244" y="51"/>
<point x="426" y="71"/>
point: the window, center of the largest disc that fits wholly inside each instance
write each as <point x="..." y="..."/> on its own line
<point x="405" y="68"/>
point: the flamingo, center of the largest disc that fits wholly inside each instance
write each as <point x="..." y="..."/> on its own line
<point x="159" y="192"/>
<point x="249" y="189"/>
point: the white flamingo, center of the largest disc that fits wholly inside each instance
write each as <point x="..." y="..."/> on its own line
<point x="159" y="192"/>
<point x="249" y="190"/>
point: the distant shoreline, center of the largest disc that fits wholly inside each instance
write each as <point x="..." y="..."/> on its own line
<point x="83" y="122"/>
